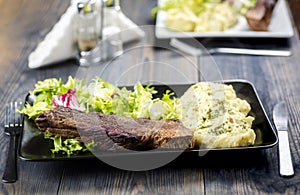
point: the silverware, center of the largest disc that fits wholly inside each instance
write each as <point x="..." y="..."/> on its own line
<point x="280" y="117"/>
<point x="222" y="50"/>
<point x="12" y="127"/>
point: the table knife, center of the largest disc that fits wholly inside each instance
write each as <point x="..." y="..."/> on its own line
<point x="188" y="49"/>
<point x="280" y="117"/>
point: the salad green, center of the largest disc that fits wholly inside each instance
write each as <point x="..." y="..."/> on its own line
<point x="98" y="96"/>
<point x="44" y="91"/>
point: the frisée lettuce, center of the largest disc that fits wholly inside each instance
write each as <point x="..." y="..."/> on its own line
<point x="44" y="92"/>
<point x="97" y="96"/>
<point x="103" y="97"/>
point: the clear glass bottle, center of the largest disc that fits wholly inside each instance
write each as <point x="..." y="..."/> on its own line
<point x="112" y="26"/>
<point x="87" y="37"/>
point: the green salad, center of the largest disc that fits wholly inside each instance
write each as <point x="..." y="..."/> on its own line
<point x="97" y="96"/>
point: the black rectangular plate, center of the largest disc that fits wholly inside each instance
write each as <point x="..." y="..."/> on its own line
<point x="34" y="147"/>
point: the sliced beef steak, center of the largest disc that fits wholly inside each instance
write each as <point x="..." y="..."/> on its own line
<point x="107" y="131"/>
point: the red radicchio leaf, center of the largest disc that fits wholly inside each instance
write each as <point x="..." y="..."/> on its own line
<point x="67" y="100"/>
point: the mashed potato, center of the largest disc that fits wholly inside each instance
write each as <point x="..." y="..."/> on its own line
<point x="215" y="17"/>
<point x="218" y="118"/>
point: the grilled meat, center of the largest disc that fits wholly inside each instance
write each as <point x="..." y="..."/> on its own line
<point x="111" y="131"/>
<point x="259" y="16"/>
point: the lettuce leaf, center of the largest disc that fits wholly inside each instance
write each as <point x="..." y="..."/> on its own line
<point x="44" y="92"/>
<point x="141" y="101"/>
<point x="68" y="99"/>
<point x="33" y="111"/>
<point x="68" y="146"/>
<point x="99" y="96"/>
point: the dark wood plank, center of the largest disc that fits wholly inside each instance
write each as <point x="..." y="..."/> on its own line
<point x="100" y="178"/>
<point x="24" y="24"/>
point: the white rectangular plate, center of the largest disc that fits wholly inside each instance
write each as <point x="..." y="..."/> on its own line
<point x="280" y="27"/>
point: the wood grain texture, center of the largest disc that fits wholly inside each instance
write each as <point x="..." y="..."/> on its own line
<point x="26" y="22"/>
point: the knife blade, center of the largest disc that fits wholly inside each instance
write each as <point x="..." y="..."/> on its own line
<point x="188" y="49"/>
<point x="280" y="118"/>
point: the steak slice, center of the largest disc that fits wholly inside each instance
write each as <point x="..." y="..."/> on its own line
<point x="65" y="118"/>
<point x="141" y="134"/>
<point x="259" y="16"/>
<point x="107" y="131"/>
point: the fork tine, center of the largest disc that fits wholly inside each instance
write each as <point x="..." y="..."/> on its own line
<point x="15" y="113"/>
<point x="6" y="124"/>
<point x="19" y="116"/>
<point x="11" y="115"/>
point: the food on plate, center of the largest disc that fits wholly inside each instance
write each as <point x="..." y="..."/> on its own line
<point x="109" y="131"/>
<point x="215" y="15"/>
<point x="259" y="16"/>
<point x="217" y="116"/>
<point x="208" y="115"/>
<point x="96" y="96"/>
<point x="100" y="96"/>
<point x="199" y="16"/>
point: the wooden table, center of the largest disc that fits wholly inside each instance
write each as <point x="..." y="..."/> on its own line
<point x="25" y="23"/>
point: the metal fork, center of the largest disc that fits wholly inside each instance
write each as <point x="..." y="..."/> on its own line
<point x="12" y="127"/>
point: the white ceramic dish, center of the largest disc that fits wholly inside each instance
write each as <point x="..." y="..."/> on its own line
<point x="280" y="27"/>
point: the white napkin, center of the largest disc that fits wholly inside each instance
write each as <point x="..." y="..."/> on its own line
<point x="60" y="43"/>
